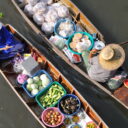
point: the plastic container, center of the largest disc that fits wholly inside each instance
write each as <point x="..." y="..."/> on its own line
<point x="75" y="125"/>
<point x="40" y="72"/>
<point x="46" y="111"/>
<point x="57" y="25"/>
<point x="84" y="33"/>
<point x="65" y="97"/>
<point x="45" y="91"/>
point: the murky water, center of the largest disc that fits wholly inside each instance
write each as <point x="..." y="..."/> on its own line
<point x="110" y="17"/>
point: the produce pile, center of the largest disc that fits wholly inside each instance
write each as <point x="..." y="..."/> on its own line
<point x="45" y="13"/>
<point x="53" y="118"/>
<point x="69" y="105"/>
<point x="37" y="83"/>
<point x="52" y="96"/>
<point x="80" y="42"/>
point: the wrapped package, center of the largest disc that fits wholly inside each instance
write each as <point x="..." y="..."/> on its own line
<point x="56" y="5"/>
<point x="74" y="58"/>
<point x="47" y="28"/>
<point x="51" y="16"/>
<point x="32" y="2"/>
<point x="29" y="10"/>
<point x="62" y="11"/>
<point x="58" y="41"/>
<point x="38" y="18"/>
<point x="41" y="6"/>
<point x="81" y="46"/>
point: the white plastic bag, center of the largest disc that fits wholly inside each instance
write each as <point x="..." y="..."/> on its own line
<point x="47" y="1"/>
<point x="47" y="28"/>
<point x="32" y="2"/>
<point x="51" y="16"/>
<point x="63" y="11"/>
<point x="38" y="18"/>
<point x="29" y="10"/>
<point x="41" y="6"/>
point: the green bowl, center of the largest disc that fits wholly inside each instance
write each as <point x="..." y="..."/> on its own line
<point x="45" y="91"/>
<point x="84" y="33"/>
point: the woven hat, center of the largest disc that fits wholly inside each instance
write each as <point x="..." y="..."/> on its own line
<point x="112" y="57"/>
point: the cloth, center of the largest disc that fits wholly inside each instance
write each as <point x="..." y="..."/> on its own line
<point x="7" y="38"/>
<point x="94" y="69"/>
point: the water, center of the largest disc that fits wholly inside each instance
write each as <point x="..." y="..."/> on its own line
<point x="110" y="17"/>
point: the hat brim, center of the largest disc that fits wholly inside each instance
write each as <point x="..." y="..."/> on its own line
<point x="116" y="61"/>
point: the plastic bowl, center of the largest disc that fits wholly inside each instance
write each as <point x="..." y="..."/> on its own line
<point x="40" y="72"/>
<point x="57" y="25"/>
<point x="126" y="83"/>
<point x="46" y="111"/>
<point x="43" y="92"/>
<point x="77" y="125"/>
<point x="91" y="122"/>
<point x="65" y="97"/>
<point x="70" y="40"/>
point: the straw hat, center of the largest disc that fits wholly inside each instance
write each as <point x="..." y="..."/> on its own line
<point x="111" y="57"/>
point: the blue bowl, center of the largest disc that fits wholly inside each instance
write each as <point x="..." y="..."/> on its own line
<point x="57" y="25"/>
<point x="65" y="97"/>
<point x="40" y="72"/>
<point x="70" y="40"/>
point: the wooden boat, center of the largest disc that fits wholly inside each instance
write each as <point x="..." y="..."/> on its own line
<point x="31" y="105"/>
<point x="83" y="21"/>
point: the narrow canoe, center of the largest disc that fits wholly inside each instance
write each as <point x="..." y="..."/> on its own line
<point x="30" y="103"/>
<point x="84" y="22"/>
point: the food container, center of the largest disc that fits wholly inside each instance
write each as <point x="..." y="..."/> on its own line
<point x="84" y="33"/>
<point x="40" y="72"/>
<point x="76" y="126"/>
<point x="44" y="118"/>
<point x="57" y="25"/>
<point x="68" y="96"/>
<point x="91" y="124"/>
<point x="126" y="83"/>
<point x="43" y="92"/>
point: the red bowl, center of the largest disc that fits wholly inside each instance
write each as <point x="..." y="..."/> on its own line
<point x="44" y="113"/>
<point x="126" y="83"/>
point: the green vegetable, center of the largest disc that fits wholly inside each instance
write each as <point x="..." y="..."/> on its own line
<point x="52" y="96"/>
<point x="29" y="87"/>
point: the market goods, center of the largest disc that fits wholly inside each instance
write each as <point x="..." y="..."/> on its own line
<point x="76" y="126"/>
<point x="29" y="10"/>
<point x="37" y="83"/>
<point x="32" y="2"/>
<point x="53" y="118"/>
<point x="52" y="96"/>
<point x="69" y="104"/>
<point x="91" y="125"/>
<point x="21" y="78"/>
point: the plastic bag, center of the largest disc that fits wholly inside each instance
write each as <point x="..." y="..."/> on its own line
<point x="62" y="11"/>
<point x="32" y="2"/>
<point x="74" y="58"/>
<point x="29" y="10"/>
<point x="38" y="18"/>
<point x="51" y="16"/>
<point x="47" y="1"/>
<point x="47" y="28"/>
<point x="41" y="7"/>
<point x="58" y="41"/>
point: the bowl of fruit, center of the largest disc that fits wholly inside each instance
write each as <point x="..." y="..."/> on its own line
<point x="52" y="117"/>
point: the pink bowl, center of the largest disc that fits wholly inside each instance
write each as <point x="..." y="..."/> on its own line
<point x="44" y="113"/>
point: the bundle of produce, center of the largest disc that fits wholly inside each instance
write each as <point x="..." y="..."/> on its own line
<point x="52" y="96"/>
<point x="58" y="41"/>
<point x="37" y="83"/>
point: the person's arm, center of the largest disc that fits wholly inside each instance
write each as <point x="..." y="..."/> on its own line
<point x="5" y="48"/>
